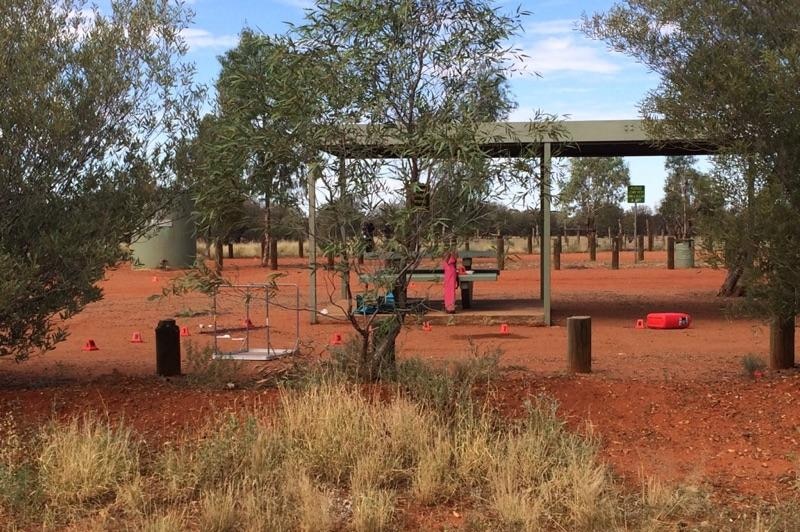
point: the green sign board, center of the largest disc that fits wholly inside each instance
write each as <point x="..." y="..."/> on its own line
<point x="635" y="193"/>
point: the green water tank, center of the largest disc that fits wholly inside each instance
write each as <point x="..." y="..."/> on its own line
<point x="684" y="254"/>
<point x="171" y="244"/>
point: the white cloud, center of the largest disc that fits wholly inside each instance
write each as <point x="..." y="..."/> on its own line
<point x="564" y="54"/>
<point x="300" y="4"/>
<point x="200" y="38"/>
<point x="552" y="27"/>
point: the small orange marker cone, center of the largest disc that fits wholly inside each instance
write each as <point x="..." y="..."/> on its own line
<point x="154" y="279"/>
<point x="185" y="331"/>
<point x="247" y="324"/>
<point x="426" y="326"/>
<point x="504" y="328"/>
<point x="640" y="324"/>
<point x="336" y="339"/>
<point x="137" y="338"/>
<point x="90" y="346"/>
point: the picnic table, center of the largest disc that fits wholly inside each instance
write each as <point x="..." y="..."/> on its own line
<point x="465" y="279"/>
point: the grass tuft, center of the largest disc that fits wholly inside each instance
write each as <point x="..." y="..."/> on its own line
<point x="85" y="461"/>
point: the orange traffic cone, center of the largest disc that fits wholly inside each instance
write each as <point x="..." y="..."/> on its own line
<point x="136" y="338"/>
<point x="640" y="324"/>
<point x="185" y="331"/>
<point x="426" y="326"/>
<point x="504" y="328"/>
<point x="90" y="346"/>
<point x="336" y="339"/>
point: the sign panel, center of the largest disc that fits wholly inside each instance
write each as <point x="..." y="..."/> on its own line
<point x="635" y="193"/>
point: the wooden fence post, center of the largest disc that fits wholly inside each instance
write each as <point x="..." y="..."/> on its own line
<point x="615" y="245"/>
<point x="781" y="343"/>
<point x="579" y="344"/>
<point x="501" y="252"/>
<point x="640" y="248"/>
<point x="557" y="253"/>
<point x="592" y="246"/>
<point x="670" y="252"/>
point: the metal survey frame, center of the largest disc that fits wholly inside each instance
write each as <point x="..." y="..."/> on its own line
<point x="257" y="354"/>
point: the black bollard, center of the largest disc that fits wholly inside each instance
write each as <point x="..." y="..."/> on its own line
<point x="168" y="349"/>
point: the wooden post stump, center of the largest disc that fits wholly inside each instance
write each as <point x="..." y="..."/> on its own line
<point x="300" y="244"/>
<point x="615" y="245"/>
<point x="781" y="343"/>
<point x="640" y="248"/>
<point x="557" y="253"/>
<point x="529" y="243"/>
<point x="670" y="252"/>
<point x="579" y="344"/>
<point x="593" y="246"/>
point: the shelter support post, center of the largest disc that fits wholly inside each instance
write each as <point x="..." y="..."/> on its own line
<point x="312" y="243"/>
<point x="544" y="258"/>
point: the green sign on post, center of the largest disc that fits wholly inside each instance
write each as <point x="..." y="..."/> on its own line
<point x="635" y="193"/>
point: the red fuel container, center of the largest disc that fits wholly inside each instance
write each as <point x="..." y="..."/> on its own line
<point x="668" y="320"/>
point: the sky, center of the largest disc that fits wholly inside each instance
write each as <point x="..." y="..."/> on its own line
<point x="579" y="79"/>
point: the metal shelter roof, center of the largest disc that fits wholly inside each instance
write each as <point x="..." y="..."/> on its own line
<point x="578" y="138"/>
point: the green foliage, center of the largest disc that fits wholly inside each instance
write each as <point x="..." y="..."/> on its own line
<point x="751" y="364"/>
<point x="422" y="76"/>
<point x="595" y="184"/>
<point x="728" y="76"/>
<point x="93" y="106"/>
<point x="687" y="193"/>
<point x="205" y="370"/>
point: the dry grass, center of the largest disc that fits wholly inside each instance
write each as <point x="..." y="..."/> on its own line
<point x="85" y="461"/>
<point x="332" y="457"/>
<point x="246" y="250"/>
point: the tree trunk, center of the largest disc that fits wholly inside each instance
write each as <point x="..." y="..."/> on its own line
<point x="615" y="245"/>
<point x="529" y="243"/>
<point x="300" y="243"/>
<point x="781" y="343"/>
<point x="218" y="251"/>
<point x="378" y="350"/>
<point x="230" y="250"/>
<point x="266" y="246"/>
<point x="730" y="287"/>
<point x="592" y="246"/>
<point x="273" y="253"/>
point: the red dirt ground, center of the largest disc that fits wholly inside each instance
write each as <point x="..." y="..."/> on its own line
<point x="673" y="404"/>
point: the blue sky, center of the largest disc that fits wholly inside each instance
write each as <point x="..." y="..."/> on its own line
<point x="580" y="78"/>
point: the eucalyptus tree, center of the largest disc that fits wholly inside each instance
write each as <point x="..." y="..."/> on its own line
<point x="685" y="190"/>
<point x="729" y="74"/>
<point x="93" y="106"/>
<point x="258" y="100"/>
<point x="211" y="170"/>
<point x="419" y="77"/>
<point x="594" y="185"/>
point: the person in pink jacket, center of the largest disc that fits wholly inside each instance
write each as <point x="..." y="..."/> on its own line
<point x="450" y="281"/>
